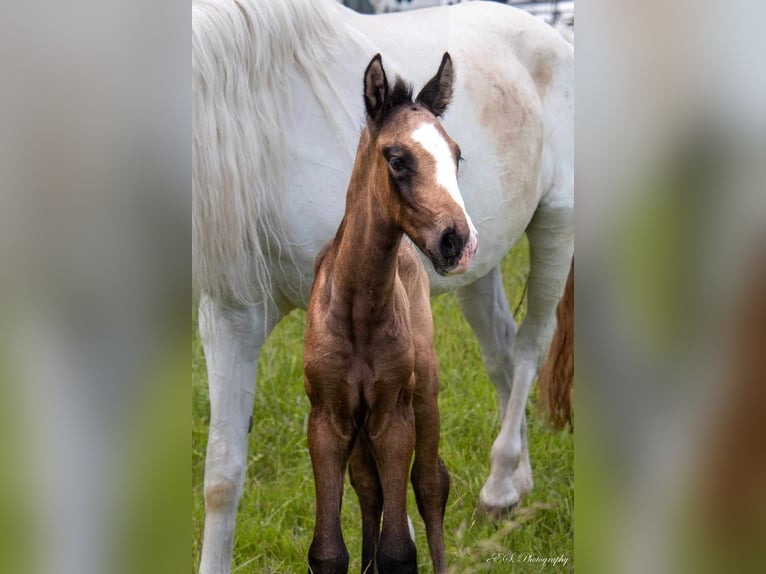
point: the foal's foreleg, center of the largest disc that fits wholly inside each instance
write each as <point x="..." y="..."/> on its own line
<point x="330" y="441"/>
<point x="392" y="438"/>
<point x="366" y="482"/>
<point x="430" y="479"/>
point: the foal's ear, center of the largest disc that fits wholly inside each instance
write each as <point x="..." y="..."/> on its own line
<point x="375" y="88"/>
<point x="437" y="93"/>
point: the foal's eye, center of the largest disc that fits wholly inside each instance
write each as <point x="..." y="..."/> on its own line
<point x="397" y="164"/>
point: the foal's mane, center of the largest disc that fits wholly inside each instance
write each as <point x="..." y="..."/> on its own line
<point x="243" y="54"/>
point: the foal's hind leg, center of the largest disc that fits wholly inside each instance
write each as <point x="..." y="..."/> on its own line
<point x="551" y="245"/>
<point x="366" y="482"/>
<point x="430" y="479"/>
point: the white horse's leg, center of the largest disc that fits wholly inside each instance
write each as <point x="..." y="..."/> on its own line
<point x="485" y="307"/>
<point x="232" y="340"/>
<point x="551" y="246"/>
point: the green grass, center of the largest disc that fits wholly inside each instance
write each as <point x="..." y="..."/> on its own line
<point x="276" y="513"/>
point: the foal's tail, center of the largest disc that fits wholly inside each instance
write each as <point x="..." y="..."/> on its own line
<point x="556" y="379"/>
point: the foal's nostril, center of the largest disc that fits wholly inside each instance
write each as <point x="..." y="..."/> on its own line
<point x="451" y="245"/>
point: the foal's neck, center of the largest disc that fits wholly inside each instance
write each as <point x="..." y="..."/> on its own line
<point x="368" y="241"/>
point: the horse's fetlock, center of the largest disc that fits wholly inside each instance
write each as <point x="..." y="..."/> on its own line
<point x="332" y="562"/>
<point x="399" y="559"/>
<point x="506" y="454"/>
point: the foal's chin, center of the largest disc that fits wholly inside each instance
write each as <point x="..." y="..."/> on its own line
<point x="446" y="270"/>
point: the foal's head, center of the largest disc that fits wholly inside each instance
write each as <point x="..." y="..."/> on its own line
<point x="416" y="163"/>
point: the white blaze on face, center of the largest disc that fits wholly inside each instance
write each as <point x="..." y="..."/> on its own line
<point x="434" y="143"/>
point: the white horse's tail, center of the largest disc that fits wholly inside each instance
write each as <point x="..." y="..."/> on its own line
<point x="242" y="56"/>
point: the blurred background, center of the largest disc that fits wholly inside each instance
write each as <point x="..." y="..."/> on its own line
<point x="670" y="331"/>
<point x="95" y="265"/>
<point x="549" y="10"/>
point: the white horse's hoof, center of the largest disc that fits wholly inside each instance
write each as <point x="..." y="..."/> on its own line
<point x="411" y="526"/>
<point x="498" y="497"/>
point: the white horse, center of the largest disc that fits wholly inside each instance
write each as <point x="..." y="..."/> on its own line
<point x="277" y="112"/>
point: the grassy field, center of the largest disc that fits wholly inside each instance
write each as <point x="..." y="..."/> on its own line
<point x="276" y="513"/>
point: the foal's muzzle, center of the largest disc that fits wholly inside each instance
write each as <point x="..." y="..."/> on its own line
<point x="456" y="250"/>
<point x="451" y="247"/>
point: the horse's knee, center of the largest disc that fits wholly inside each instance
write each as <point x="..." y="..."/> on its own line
<point x="222" y="495"/>
<point x="332" y="560"/>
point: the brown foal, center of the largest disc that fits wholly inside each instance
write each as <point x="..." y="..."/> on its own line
<point x="371" y="370"/>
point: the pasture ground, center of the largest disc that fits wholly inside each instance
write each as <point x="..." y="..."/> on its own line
<point x="276" y="513"/>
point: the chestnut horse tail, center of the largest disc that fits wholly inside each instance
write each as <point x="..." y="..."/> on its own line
<point x="556" y="379"/>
